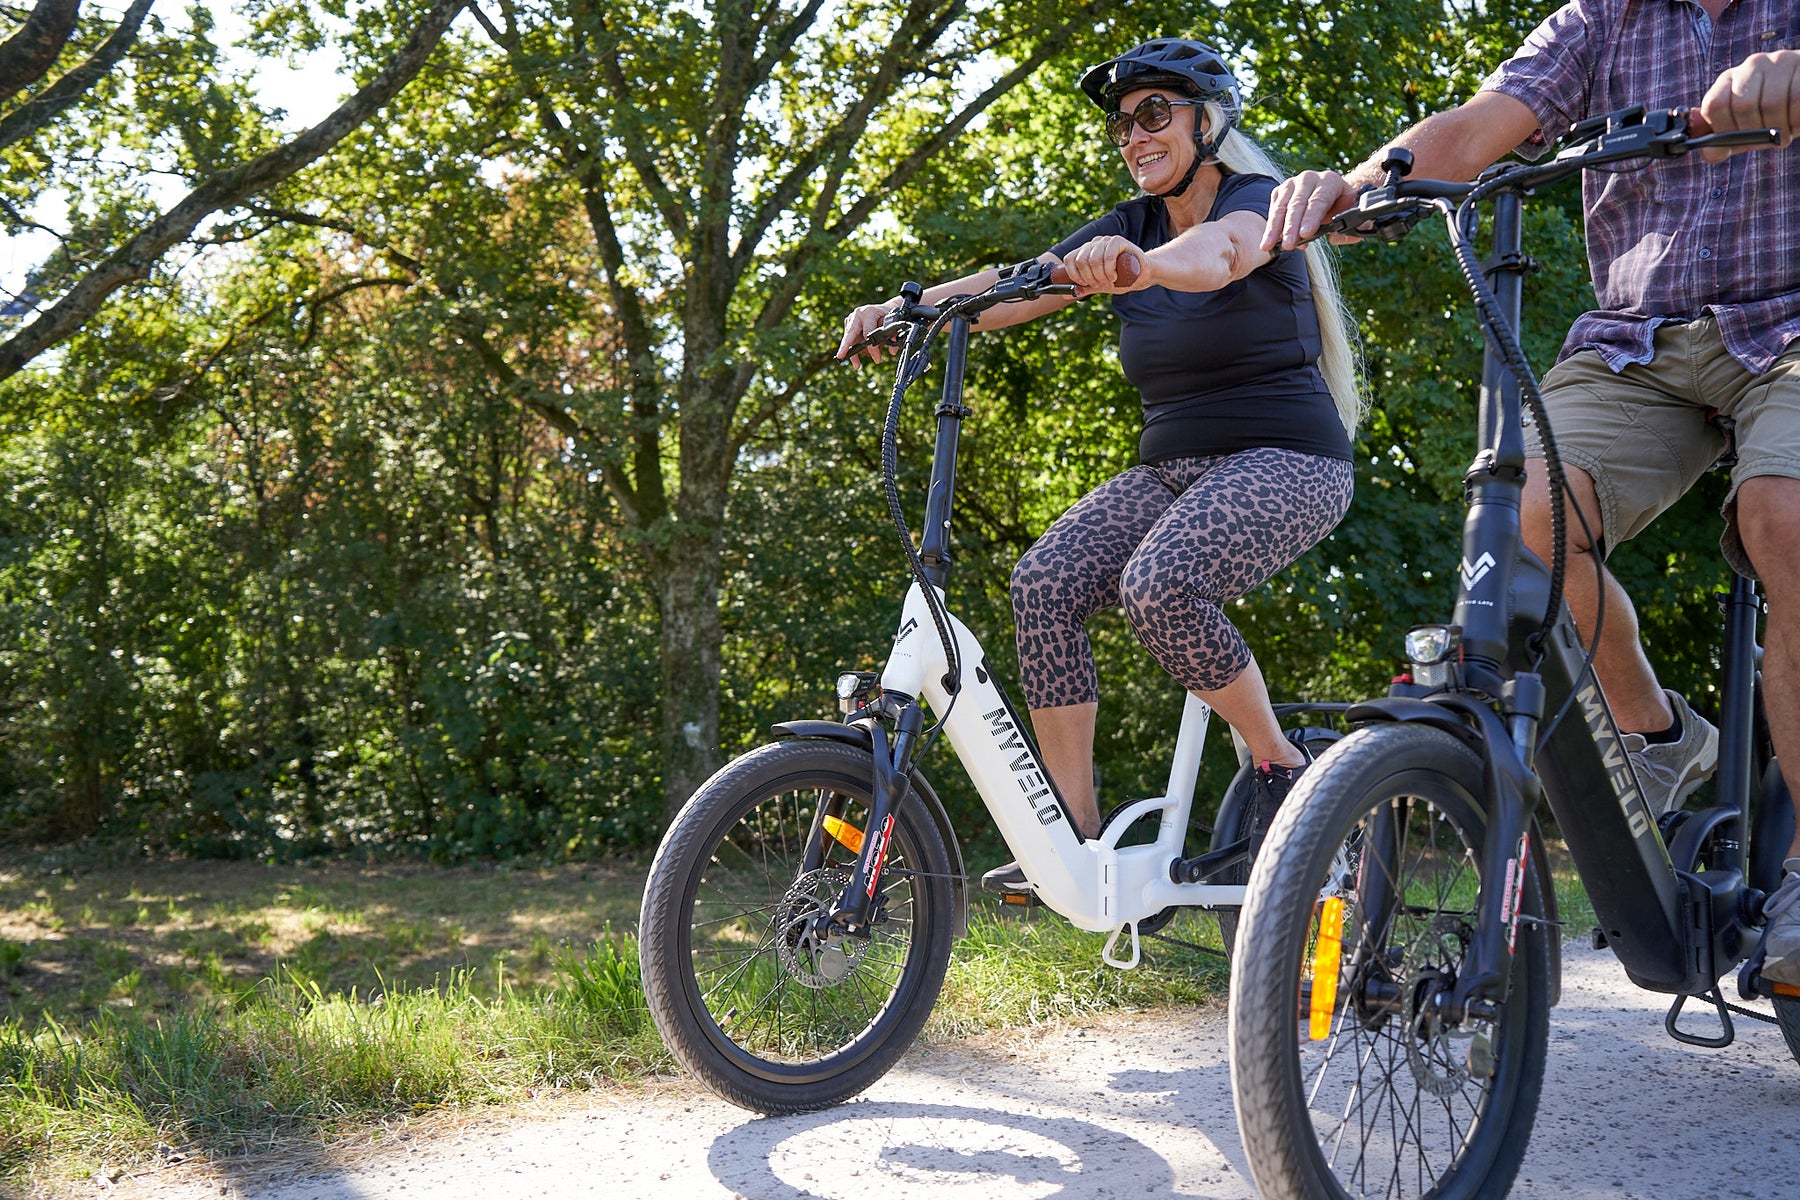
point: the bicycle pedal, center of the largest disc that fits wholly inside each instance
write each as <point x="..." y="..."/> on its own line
<point x="1021" y="899"/>
<point x="1782" y="989"/>
<point x="1597" y="938"/>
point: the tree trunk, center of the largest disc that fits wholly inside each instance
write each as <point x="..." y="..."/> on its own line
<point x="691" y="637"/>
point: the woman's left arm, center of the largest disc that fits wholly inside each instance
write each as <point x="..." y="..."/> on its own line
<point x="1208" y="256"/>
<point x="1202" y="259"/>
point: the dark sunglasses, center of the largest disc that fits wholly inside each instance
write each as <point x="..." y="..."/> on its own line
<point x="1152" y="112"/>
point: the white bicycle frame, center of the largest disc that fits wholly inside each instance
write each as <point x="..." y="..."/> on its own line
<point x="1095" y="883"/>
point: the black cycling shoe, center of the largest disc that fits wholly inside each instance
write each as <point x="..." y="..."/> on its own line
<point x="1269" y="786"/>
<point x="1009" y="883"/>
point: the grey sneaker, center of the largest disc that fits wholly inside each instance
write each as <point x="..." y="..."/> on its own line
<point x="1667" y="773"/>
<point x="1781" y="940"/>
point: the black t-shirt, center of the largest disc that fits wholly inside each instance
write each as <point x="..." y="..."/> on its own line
<point x="1222" y="371"/>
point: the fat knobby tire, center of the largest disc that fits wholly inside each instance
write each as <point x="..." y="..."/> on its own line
<point x="784" y="1084"/>
<point x="1268" y="1033"/>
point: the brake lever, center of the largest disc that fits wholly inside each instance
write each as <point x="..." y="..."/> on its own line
<point x="1734" y="137"/>
<point x="887" y="335"/>
<point x="1377" y="214"/>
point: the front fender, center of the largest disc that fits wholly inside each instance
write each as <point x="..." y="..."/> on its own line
<point x="859" y="736"/>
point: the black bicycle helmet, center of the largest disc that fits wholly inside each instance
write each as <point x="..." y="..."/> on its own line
<point x="1194" y="67"/>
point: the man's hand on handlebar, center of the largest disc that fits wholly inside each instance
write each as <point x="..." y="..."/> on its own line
<point x="1761" y="92"/>
<point x="1302" y="204"/>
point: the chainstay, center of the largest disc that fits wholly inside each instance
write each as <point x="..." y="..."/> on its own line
<point x="1741" y="1011"/>
<point x="1186" y="945"/>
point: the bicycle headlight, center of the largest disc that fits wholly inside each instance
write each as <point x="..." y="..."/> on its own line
<point x="854" y="688"/>
<point x="1431" y="649"/>
<point x="1428" y="644"/>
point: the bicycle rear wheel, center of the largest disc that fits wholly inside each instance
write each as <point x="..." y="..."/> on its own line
<point x="1234" y="817"/>
<point x="746" y="996"/>
<point x="1787" y="1016"/>
<point x="1347" y="1082"/>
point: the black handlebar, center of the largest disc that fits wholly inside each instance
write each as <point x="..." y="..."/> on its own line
<point x="1019" y="283"/>
<point x="1390" y="211"/>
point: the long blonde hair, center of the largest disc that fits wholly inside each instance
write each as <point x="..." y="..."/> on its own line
<point x="1338" y="357"/>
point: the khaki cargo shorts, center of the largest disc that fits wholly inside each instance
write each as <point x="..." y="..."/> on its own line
<point x="1643" y="434"/>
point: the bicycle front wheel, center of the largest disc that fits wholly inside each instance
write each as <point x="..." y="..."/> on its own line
<point x="1360" y="912"/>
<point x="745" y="993"/>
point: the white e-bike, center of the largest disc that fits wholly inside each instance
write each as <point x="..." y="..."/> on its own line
<point x="798" y="917"/>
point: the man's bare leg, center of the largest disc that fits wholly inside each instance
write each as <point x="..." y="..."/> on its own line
<point x="1768" y="515"/>
<point x="1625" y="674"/>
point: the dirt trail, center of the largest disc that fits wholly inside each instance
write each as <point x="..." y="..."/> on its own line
<point x="1130" y="1106"/>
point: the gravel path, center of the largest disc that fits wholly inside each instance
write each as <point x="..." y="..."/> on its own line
<point x="1128" y="1106"/>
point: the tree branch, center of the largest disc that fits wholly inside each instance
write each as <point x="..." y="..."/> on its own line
<point x="226" y="189"/>
<point x="557" y="417"/>
<point x="648" y="501"/>
<point x="783" y="41"/>
<point x="918" y="29"/>
<point x="951" y="129"/>
<point x="31" y="51"/>
<point x="637" y="150"/>
<point x="40" y="110"/>
<point x="780" y="400"/>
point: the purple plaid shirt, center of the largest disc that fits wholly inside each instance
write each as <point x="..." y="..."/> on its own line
<point x="1681" y="237"/>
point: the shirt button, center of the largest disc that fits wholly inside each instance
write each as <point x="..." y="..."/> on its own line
<point x="1705" y="253"/>
<point x="1717" y="192"/>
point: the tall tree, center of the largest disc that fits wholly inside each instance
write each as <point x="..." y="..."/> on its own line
<point x="718" y="156"/>
<point x="221" y="183"/>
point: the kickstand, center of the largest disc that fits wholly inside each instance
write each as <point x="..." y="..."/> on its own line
<point x="1106" y="954"/>
<point x="1694" y="1039"/>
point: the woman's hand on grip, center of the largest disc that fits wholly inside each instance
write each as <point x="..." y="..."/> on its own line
<point x="862" y="322"/>
<point x="1108" y="266"/>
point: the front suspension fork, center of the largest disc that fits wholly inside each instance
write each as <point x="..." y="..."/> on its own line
<point x="892" y="780"/>
<point x="1513" y="793"/>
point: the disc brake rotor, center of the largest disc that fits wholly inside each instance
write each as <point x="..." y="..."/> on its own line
<point x="810" y="960"/>
<point x="1436" y="1054"/>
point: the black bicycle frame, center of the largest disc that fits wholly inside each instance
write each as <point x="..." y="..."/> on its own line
<point x="1669" y="927"/>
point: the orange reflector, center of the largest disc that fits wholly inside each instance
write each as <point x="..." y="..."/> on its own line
<point x="1783" y="989"/>
<point x="1326" y="956"/>
<point x="848" y="834"/>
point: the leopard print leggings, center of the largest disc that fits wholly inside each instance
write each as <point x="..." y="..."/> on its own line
<point x="1173" y="543"/>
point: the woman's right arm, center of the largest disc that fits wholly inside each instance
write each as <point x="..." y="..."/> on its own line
<point x="866" y="319"/>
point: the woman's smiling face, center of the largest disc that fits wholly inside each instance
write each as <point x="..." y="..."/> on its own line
<point x="1158" y="160"/>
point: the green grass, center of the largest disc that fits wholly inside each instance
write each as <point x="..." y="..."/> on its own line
<point x="220" y="1007"/>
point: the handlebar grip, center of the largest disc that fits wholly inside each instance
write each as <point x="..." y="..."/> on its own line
<point x="1128" y="272"/>
<point x="887" y="335"/>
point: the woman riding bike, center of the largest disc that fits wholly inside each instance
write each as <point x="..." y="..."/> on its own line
<point x="1244" y="364"/>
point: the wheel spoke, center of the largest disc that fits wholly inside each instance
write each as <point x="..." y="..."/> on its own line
<point x="1387" y="1093"/>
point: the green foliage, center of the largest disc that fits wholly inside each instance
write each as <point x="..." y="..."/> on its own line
<point x="607" y="983"/>
<point x="299" y="554"/>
